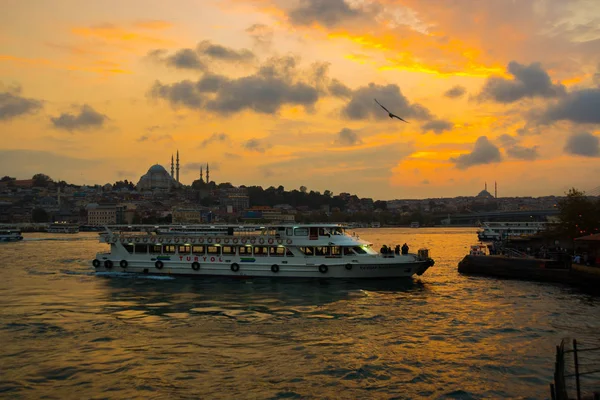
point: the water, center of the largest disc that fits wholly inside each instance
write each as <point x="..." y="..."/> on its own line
<point x="67" y="333"/>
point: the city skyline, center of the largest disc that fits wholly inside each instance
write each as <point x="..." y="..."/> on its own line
<point x="282" y="93"/>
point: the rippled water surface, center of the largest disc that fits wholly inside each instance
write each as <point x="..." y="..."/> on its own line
<point x="68" y="333"/>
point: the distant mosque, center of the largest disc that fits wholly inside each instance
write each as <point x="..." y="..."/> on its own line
<point x="157" y="177"/>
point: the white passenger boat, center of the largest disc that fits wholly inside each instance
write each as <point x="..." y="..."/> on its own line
<point x="299" y="251"/>
<point x="62" y="228"/>
<point x="504" y="230"/>
<point x="10" y="235"/>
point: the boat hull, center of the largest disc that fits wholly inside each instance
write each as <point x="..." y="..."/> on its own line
<point x="339" y="271"/>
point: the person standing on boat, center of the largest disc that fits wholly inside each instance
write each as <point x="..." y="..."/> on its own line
<point x="397" y="250"/>
<point x="404" y="248"/>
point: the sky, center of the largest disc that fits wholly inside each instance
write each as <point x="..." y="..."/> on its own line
<point x="281" y="92"/>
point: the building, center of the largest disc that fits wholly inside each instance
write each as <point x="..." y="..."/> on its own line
<point x="235" y="199"/>
<point x="182" y="215"/>
<point x="268" y="214"/>
<point x="101" y="214"/>
<point x="157" y="177"/>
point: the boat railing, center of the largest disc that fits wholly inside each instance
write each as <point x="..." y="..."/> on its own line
<point x="507" y="251"/>
<point x="576" y="371"/>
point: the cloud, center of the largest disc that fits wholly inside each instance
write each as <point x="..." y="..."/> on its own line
<point x="25" y="163"/>
<point x="529" y="81"/>
<point x="261" y="34"/>
<point x="232" y="155"/>
<point x="455" y="92"/>
<point x="583" y="144"/>
<point x="338" y="89"/>
<point x="437" y="126"/>
<point x="484" y="152"/>
<point x="523" y="153"/>
<point x="155" y="138"/>
<point x="182" y="59"/>
<point x="328" y="13"/>
<point x="347" y="137"/>
<point x="219" y="52"/>
<point x="255" y="145"/>
<point x="13" y="105"/>
<point x="215" y="137"/>
<point x="580" y="106"/>
<point x="507" y="140"/>
<point x="362" y="104"/>
<point x="87" y="118"/>
<point x="276" y="83"/>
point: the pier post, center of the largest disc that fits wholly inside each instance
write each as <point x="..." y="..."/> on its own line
<point x="576" y="369"/>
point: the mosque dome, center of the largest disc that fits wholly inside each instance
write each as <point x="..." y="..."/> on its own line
<point x="485" y="194"/>
<point x="157" y="177"/>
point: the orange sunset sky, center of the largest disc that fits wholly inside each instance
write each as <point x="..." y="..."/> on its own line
<point x="274" y="92"/>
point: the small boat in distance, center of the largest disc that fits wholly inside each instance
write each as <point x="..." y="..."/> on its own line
<point x="415" y="224"/>
<point x="291" y="251"/>
<point x="10" y="235"/>
<point x="59" y="227"/>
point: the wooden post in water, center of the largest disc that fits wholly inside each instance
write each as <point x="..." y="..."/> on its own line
<point x="576" y="369"/>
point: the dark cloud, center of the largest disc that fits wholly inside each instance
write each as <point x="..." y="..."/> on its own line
<point x="455" y="92"/>
<point x="185" y="59"/>
<point x="580" y="106"/>
<point x="529" y="81"/>
<point x="215" y="137"/>
<point x="232" y="155"/>
<point x="507" y="140"/>
<point x="437" y="126"/>
<point x="338" y="89"/>
<point x="484" y="152"/>
<point x="87" y="118"/>
<point x="12" y="104"/>
<point x="261" y="34"/>
<point x="182" y="59"/>
<point x="219" y="52"/>
<point x="362" y="104"/>
<point x="583" y="144"/>
<point x="255" y="145"/>
<point x="347" y="137"/>
<point x="184" y="93"/>
<point x="276" y="83"/>
<point x="522" y="153"/>
<point x="325" y="12"/>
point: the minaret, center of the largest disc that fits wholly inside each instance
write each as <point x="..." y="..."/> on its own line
<point x="177" y="166"/>
<point x="495" y="189"/>
<point x="485" y="187"/>
<point x="172" y="171"/>
<point x="207" y="172"/>
<point x="201" y="174"/>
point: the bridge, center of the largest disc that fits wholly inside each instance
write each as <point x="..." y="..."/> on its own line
<point x="504" y="216"/>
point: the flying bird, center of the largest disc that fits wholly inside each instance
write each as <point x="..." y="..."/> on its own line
<point x="389" y="113"/>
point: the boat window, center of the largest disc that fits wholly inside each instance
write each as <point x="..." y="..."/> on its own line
<point x="348" y="251"/>
<point x="244" y="250"/>
<point x="212" y="249"/>
<point x="184" y="249"/>
<point x="359" y="250"/>
<point x="314" y="233"/>
<point x="336" y="251"/>
<point x="300" y="232"/>
<point x="197" y="249"/>
<point x="289" y="231"/>
<point x="169" y="249"/>
<point x="228" y="250"/>
<point x="129" y="248"/>
<point x="321" y="251"/>
<point x="261" y="251"/>
<point x="141" y="249"/>
<point x="307" y="251"/>
<point x="275" y="251"/>
<point x="156" y="249"/>
<point x="288" y="253"/>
